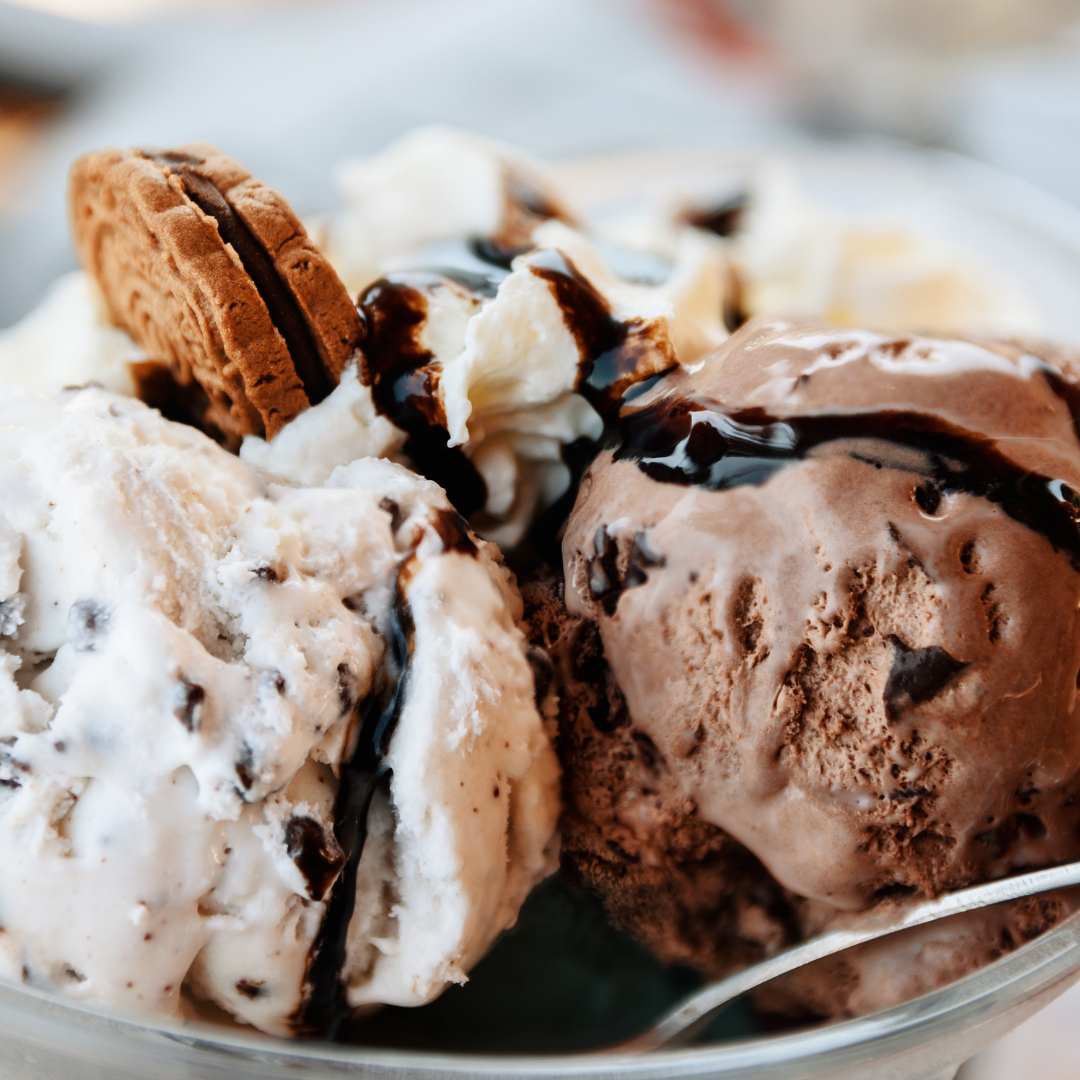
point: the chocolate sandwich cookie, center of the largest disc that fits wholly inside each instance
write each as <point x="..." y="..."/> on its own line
<point x="243" y="320"/>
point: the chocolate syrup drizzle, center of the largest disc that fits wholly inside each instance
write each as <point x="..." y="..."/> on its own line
<point x="403" y="379"/>
<point x="317" y="859"/>
<point x="525" y="207"/>
<point x="610" y="349"/>
<point x="284" y="310"/>
<point x="325" y="1006"/>
<point x="680" y="440"/>
<point x="726" y="219"/>
<point x="403" y="375"/>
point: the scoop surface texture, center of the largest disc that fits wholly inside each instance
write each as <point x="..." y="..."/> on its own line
<point x="189" y="649"/>
<point x="835" y="579"/>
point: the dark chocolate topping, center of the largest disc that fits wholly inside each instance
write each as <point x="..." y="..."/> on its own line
<point x="530" y="199"/>
<point x="403" y="374"/>
<point x="479" y="284"/>
<point x="696" y="442"/>
<point x="325" y="1006"/>
<point x="284" y="311"/>
<point x="403" y="377"/>
<point x="610" y="349"/>
<point x="492" y="251"/>
<point x="453" y="531"/>
<point x="725" y="219"/>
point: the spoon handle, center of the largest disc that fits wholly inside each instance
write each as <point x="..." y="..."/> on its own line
<point x="687" y="1018"/>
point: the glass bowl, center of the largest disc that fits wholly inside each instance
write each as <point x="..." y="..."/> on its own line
<point x="994" y="218"/>
<point x="925" y="1039"/>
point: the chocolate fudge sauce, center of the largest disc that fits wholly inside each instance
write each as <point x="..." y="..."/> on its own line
<point x="611" y="349"/>
<point x="724" y="220"/>
<point x="404" y="376"/>
<point x="326" y="1006"/>
<point x="695" y="442"/>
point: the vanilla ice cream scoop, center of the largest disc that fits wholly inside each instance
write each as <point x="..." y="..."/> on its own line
<point x="215" y="684"/>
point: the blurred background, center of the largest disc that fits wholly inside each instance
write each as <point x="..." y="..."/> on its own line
<point x="291" y="87"/>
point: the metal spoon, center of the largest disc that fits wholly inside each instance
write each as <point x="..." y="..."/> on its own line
<point x="686" y="1020"/>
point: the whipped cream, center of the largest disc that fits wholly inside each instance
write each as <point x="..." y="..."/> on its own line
<point x="68" y="339"/>
<point x="435" y="183"/>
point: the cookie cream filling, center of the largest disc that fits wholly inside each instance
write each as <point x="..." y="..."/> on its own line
<point x="188" y="650"/>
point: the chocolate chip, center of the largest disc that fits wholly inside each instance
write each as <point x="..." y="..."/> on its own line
<point x="250" y="988"/>
<point x="602" y="571"/>
<point x="267" y="573"/>
<point x="189" y="704"/>
<point x="606" y="584"/>
<point x="88" y="621"/>
<point x="243" y="766"/>
<point x="642" y="559"/>
<point x="345" y="687"/>
<point x="316" y="853"/>
<point x="917" y="675"/>
<point x="390" y="507"/>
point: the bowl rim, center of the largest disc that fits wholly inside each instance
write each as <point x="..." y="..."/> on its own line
<point x="1039" y="967"/>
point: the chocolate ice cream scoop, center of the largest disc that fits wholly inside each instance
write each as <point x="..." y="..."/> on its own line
<point x="835" y="576"/>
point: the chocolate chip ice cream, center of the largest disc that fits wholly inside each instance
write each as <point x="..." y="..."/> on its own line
<point x="275" y="746"/>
